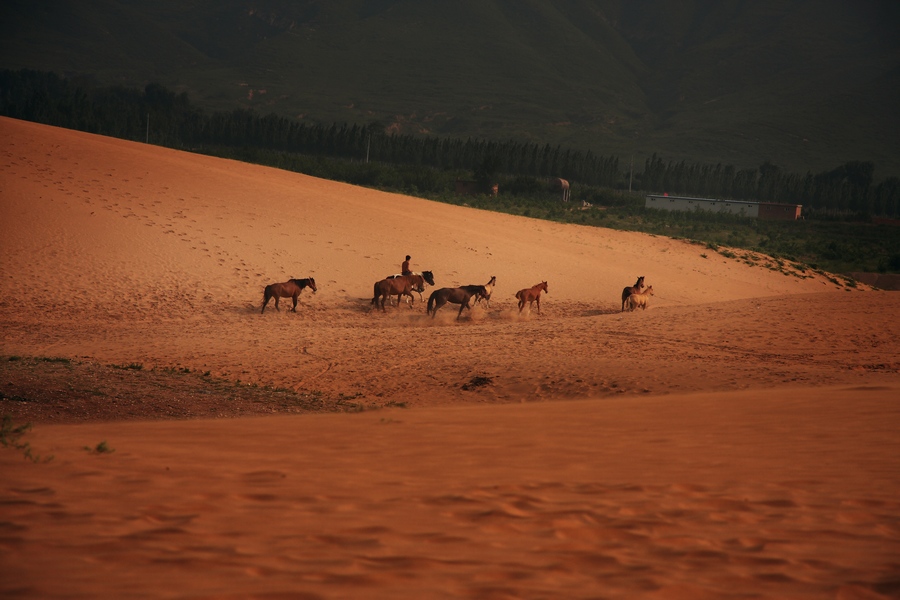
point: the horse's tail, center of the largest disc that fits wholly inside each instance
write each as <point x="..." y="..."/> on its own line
<point x="375" y="293"/>
<point x="519" y="295"/>
<point x="430" y="303"/>
<point x="266" y="297"/>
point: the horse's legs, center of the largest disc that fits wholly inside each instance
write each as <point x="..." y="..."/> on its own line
<point x="437" y="304"/>
<point x="295" y="297"/>
<point x="276" y="303"/>
<point x="462" y="306"/>
<point x="538" y="300"/>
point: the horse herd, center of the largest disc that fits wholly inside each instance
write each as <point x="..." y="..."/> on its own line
<point x="465" y="296"/>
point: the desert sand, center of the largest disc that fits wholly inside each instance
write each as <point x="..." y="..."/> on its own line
<point x="737" y="439"/>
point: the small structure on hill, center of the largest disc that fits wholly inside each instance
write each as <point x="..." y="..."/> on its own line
<point x="757" y="210"/>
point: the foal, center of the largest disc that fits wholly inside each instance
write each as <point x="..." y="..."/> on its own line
<point x="532" y="295"/>
<point x="639" y="299"/>
<point x="635" y="289"/>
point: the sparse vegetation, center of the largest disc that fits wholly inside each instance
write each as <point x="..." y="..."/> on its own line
<point x="101" y="448"/>
<point x="476" y="382"/>
<point x="74" y="391"/>
<point x="11" y="435"/>
<point x="129" y="367"/>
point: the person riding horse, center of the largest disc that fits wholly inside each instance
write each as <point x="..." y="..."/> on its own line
<point x="404" y="268"/>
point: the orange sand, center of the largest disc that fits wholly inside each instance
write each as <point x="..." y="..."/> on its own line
<point x="737" y="439"/>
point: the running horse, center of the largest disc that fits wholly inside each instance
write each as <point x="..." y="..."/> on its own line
<point x="486" y="295"/>
<point x="532" y="295"/>
<point x="289" y="289"/>
<point x="458" y="295"/>
<point x="401" y="285"/>
<point x="429" y="279"/>
<point x="635" y="289"/>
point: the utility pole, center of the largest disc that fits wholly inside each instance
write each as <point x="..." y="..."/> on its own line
<point x="631" y="174"/>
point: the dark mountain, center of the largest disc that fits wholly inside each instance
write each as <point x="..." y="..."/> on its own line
<point x="805" y="84"/>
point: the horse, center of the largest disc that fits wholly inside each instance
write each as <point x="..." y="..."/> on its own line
<point x="532" y="295"/>
<point x="488" y="289"/>
<point x="635" y="289"/>
<point x="459" y="295"/>
<point x="401" y="285"/>
<point x="428" y="276"/>
<point x="639" y="299"/>
<point x="558" y="184"/>
<point x="289" y="289"/>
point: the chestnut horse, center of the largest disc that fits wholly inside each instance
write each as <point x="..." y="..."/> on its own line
<point x="427" y="275"/>
<point x="532" y="295"/>
<point x="403" y="285"/>
<point x="635" y="289"/>
<point x="289" y="289"/>
<point x="459" y="295"/>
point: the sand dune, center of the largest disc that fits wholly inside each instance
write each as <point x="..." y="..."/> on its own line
<point x="736" y="439"/>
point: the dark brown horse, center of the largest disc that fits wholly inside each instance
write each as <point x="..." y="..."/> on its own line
<point x="402" y="285"/>
<point x="289" y="289"/>
<point x="532" y="295"/>
<point x="459" y="295"/>
<point x="635" y="289"/>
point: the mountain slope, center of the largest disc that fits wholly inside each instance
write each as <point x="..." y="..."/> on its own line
<point x="804" y="84"/>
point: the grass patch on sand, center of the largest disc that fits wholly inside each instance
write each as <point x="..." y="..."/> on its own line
<point x="41" y="390"/>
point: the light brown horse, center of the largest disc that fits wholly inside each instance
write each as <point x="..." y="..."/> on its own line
<point x="532" y="295"/>
<point x="459" y="295"/>
<point x="403" y="285"/>
<point x="639" y="299"/>
<point x="635" y="289"/>
<point x="558" y="184"/>
<point x="486" y="295"/>
<point x="289" y="289"/>
<point x="427" y="275"/>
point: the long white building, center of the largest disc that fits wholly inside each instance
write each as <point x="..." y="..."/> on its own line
<point x="756" y="210"/>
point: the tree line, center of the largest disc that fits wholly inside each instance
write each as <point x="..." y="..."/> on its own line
<point x="159" y="116"/>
